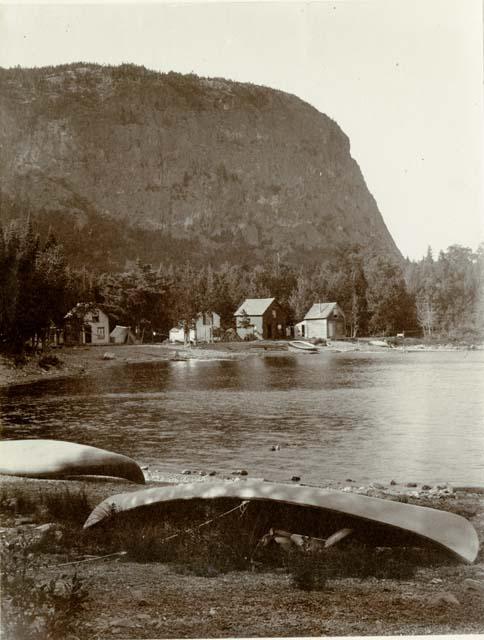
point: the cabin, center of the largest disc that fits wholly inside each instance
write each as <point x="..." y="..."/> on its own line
<point x="86" y="324"/>
<point x="261" y="318"/>
<point x="204" y="328"/>
<point x="323" y="320"/>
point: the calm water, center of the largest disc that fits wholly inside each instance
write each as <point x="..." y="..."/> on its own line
<point x="372" y="416"/>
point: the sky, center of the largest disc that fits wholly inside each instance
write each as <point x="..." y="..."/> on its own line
<point x="403" y="79"/>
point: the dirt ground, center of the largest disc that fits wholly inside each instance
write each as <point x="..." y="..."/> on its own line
<point x="133" y="599"/>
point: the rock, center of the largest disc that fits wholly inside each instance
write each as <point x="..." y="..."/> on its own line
<point x="139" y="597"/>
<point x="436" y="581"/>
<point x="347" y="489"/>
<point x="349" y="480"/>
<point x="295" y="479"/>
<point x="212" y="612"/>
<point x="240" y="472"/>
<point x="46" y="528"/>
<point x="108" y="355"/>
<point x="12" y="503"/>
<point x="441" y="486"/>
<point x="393" y="482"/>
<point x="212" y="473"/>
<point x="377" y="485"/>
<point x="275" y="447"/>
<point x="202" y="473"/>
<point x="411" y="484"/>
<point x="445" y="598"/>
<point x="470" y="584"/>
<point x="144" y="467"/>
<point x="186" y="472"/>
<point x="426" y="487"/>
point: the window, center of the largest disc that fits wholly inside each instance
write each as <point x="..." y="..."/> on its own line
<point x="274" y="313"/>
<point x="95" y="316"/>
<point x="100" y="332"/>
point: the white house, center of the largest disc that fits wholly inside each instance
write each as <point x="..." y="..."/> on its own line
<point x="86" y="324"/>
<point x="323" y="320"/>
<point x="203" y="329"/>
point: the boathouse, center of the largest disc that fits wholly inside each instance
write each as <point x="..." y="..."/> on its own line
<point x="323" y="320"/>
<point x="261" y="318"/>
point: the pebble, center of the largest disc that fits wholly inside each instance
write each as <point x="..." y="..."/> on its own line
<point x="470" y="584"/>
<point x="212" y="473"/>
<point x="444" y="598"/>
<point x="186" y="472"/>
<point x="377" y="485"/>
<point x="240" y="472"/>
<point x="45" y="528"/>
<point x="202" y="473"/>
<point x="295" y="478"/>
<point x="426" y="487"/>
<point x="411" y="484"/>
<point x="349" y="480"/>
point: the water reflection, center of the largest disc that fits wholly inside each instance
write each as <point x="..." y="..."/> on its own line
<point x="366" y="416"/>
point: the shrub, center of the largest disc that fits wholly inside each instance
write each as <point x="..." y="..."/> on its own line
<point x="49" y="361"/>
<point x="38" y="609"/>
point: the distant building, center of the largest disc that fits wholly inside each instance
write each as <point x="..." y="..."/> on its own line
<point x="262" y="318"/>
<point x="323" y="320"/>
<point x="204" y="328"/>
<point x="86" y="324"/>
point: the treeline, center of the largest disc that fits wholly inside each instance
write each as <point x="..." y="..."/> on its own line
<point x="38" y="288"/>
<point x="449" y="292"/>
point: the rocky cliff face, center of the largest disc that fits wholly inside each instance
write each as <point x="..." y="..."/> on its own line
<point x="124" y="162"/>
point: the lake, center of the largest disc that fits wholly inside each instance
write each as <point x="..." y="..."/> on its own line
<point x="414" y="416"/>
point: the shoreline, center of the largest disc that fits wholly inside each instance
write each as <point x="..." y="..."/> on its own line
<point x="84" y="360"/>
<point x="166" y="597"/>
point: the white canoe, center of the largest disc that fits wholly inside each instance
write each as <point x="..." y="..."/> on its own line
<point x="302" y="345"/>
<point x="57" y="459"/>
<point x="448" y="530"/>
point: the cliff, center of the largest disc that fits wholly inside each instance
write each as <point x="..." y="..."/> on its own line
<point x="123" y="162"/>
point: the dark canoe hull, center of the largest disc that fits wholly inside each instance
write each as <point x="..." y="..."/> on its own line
<point x="58" y="459"/>
<point x="448" y="530"/>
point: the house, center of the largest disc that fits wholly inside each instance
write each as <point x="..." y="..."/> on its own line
<point x="323" y="320"/>
<point x="86" y="324"/>
<point x="262" y="318"/>
<point x="204" y="328"/>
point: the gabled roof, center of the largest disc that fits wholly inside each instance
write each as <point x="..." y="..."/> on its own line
<point x="254" y="306"/>
<point x="320" y="310"/>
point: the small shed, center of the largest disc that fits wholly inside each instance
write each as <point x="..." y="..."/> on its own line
<point x="262" y="318"/>
<point x="323" y="320"/>
<point x="203" y="329"/>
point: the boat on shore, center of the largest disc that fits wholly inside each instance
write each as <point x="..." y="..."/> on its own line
<point x="302" y="345"/>
<point x="447" y="530"/>
<point x="56" y="459"/>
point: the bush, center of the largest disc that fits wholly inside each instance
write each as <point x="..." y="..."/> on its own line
<point x="49" y="361"/>
<point x="39" y="609"/>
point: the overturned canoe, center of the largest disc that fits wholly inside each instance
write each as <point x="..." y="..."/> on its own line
<point x="448" y="530"/>
<point x="58" y="459"/>
<point x="302" y="345"/>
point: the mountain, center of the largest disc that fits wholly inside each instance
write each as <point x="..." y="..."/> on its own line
<point x="122" y="162"/>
